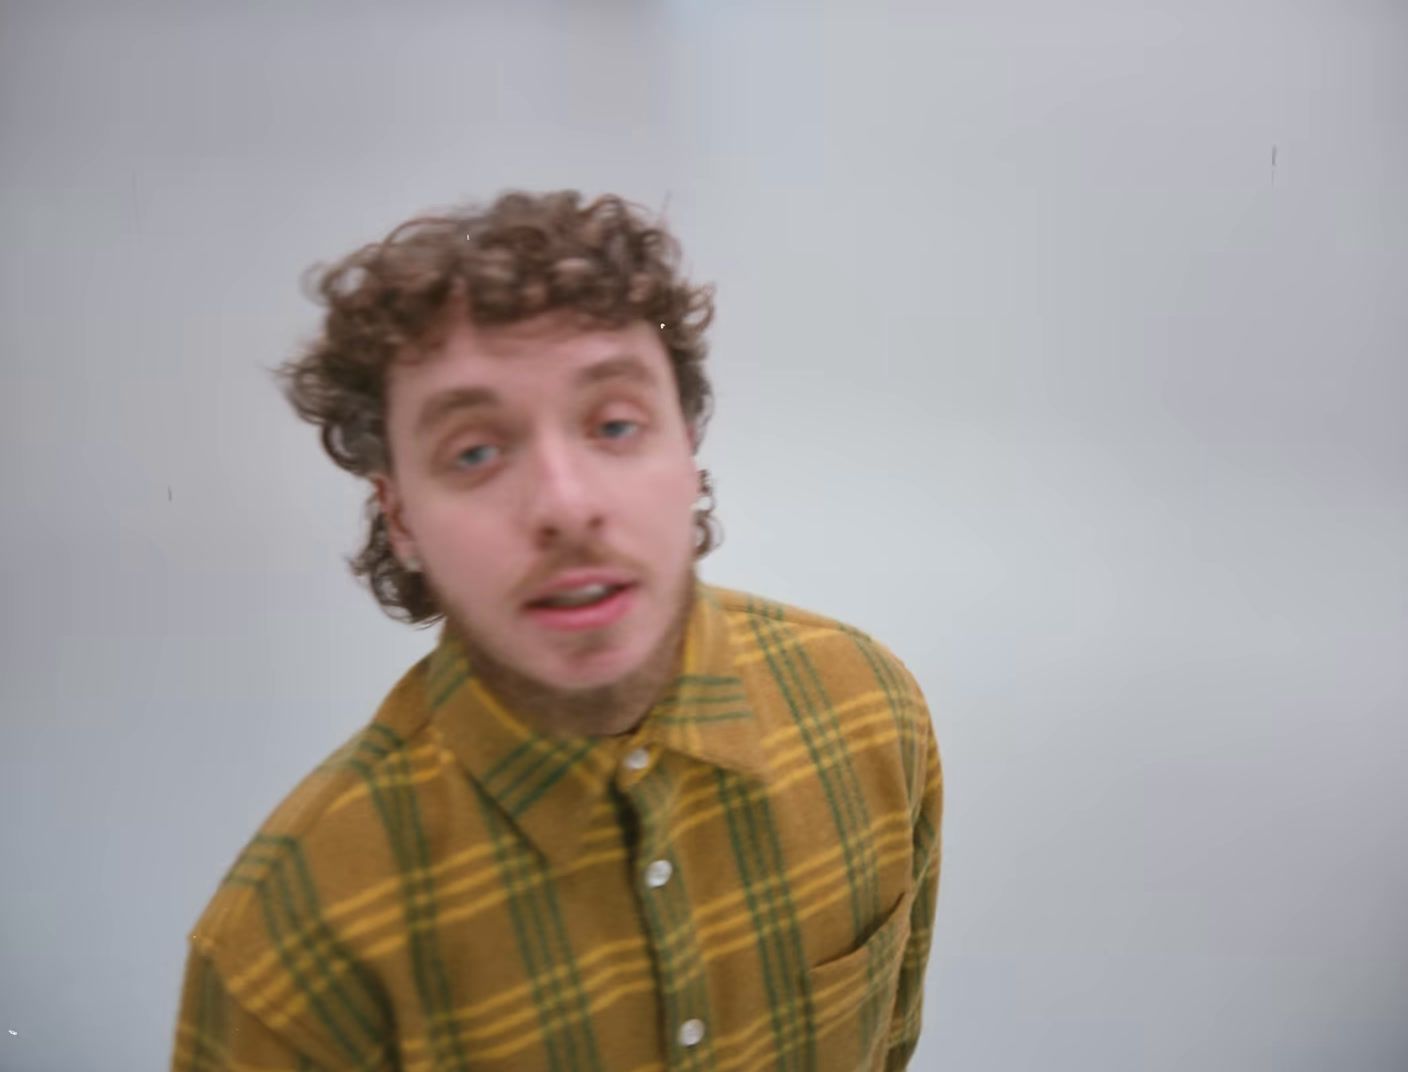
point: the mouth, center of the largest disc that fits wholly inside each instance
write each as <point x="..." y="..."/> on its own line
<point x="590" y="607"/>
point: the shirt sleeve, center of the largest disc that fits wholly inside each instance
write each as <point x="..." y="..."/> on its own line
<point x="905" y="1023"/>
<point x="214" y="1033"/>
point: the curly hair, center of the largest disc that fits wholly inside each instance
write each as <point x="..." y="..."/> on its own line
<point x="523" y="255"/>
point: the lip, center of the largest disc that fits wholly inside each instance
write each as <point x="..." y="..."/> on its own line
<point x="578" y="579"/>
<point x="597" y="616"/>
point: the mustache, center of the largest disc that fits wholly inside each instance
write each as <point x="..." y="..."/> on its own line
<point x="581" y="559"/>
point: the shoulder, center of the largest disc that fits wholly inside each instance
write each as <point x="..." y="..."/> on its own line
<point x="302" y="853"/>
<point x="795" y="643"/>
<point x="831" y="688"/>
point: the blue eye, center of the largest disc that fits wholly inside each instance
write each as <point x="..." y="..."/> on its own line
<point x="607" y="424"/>
<point x="472" y="450"/>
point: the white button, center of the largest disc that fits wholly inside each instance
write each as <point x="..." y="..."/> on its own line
<point x="691" y="1031"/>
<point x="658" y="873"/>
<point x="637" y="759"/>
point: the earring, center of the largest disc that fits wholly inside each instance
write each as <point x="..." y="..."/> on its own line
<point x="412" y="564"/>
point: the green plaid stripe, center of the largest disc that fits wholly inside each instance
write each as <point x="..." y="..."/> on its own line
<point x="210" y="1024"/>
<point x="444" y="677"/>
<point x="568" y="1037"/>
<point x="685" y="681"/>
<point x="688" y="699"/>
<point x="210" y="1043"/>
<point x="380" y="761"/>
<point x="926" y="833"/>
<point x="926" y="866"/>
<point x="802" y="690"/>
<point x="762" y="870"/>
<point x="693" y="720"/>
<point x="896" y="700"/>
<point x="878" y="998"/>
<point x="527" y="771"/>
<point x="521" y="778"/>
<point x="797" y="679"/>
<point x="340" y="992"/>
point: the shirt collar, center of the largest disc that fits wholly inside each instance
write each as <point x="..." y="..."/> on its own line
<point x="549" y="785"/>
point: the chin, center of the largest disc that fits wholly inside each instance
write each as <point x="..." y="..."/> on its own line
<point x="593" y="671"/>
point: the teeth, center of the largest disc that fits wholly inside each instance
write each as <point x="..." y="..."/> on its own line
<point x="577" y="597"/>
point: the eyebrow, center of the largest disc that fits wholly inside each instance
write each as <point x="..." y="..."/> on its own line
<point x="456" y="399"/>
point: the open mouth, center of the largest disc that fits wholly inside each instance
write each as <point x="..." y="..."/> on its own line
<point x="590" y="607"/>
<point x="587" y="596"/>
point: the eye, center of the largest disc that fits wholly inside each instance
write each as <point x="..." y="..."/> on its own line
<point x="469" y="452"/>
<point x="617" y="424"/>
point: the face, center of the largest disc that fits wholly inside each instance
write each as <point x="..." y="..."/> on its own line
<point x="526" y="451"/>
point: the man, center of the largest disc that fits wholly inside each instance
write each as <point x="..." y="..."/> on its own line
<point x="617" y="819"/>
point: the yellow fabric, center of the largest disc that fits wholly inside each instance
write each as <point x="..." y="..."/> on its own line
<point x="451" y="890"/>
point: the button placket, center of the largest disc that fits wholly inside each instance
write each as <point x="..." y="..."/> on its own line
<point x="658" y="882"/>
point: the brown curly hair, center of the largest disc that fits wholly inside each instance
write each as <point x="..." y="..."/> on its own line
<point x="523" y="255"/>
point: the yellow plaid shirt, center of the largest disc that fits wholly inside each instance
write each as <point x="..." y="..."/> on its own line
<point x="745" y="881"/>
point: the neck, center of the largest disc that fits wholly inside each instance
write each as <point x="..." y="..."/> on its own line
<point x="604" y="711"/>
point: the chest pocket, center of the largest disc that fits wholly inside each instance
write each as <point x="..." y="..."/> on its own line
<point x="854" y="994"/>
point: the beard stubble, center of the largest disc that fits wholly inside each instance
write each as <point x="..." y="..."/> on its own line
<point x="604" y="710"/>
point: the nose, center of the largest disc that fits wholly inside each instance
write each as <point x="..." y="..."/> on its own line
<point x="564" y="498"/>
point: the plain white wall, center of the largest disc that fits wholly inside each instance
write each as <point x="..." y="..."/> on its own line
<point x="1029" y="361"/>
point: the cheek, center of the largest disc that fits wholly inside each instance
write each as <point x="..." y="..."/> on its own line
<point x="673" y="510"/>
<point x="672" y="495"/>
<point x="466" y="540"/>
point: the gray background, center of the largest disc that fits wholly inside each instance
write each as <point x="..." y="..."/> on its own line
<point x="1029" y="361"/>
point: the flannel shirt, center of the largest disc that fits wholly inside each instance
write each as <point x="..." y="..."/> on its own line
<point x="746" y="880"/>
